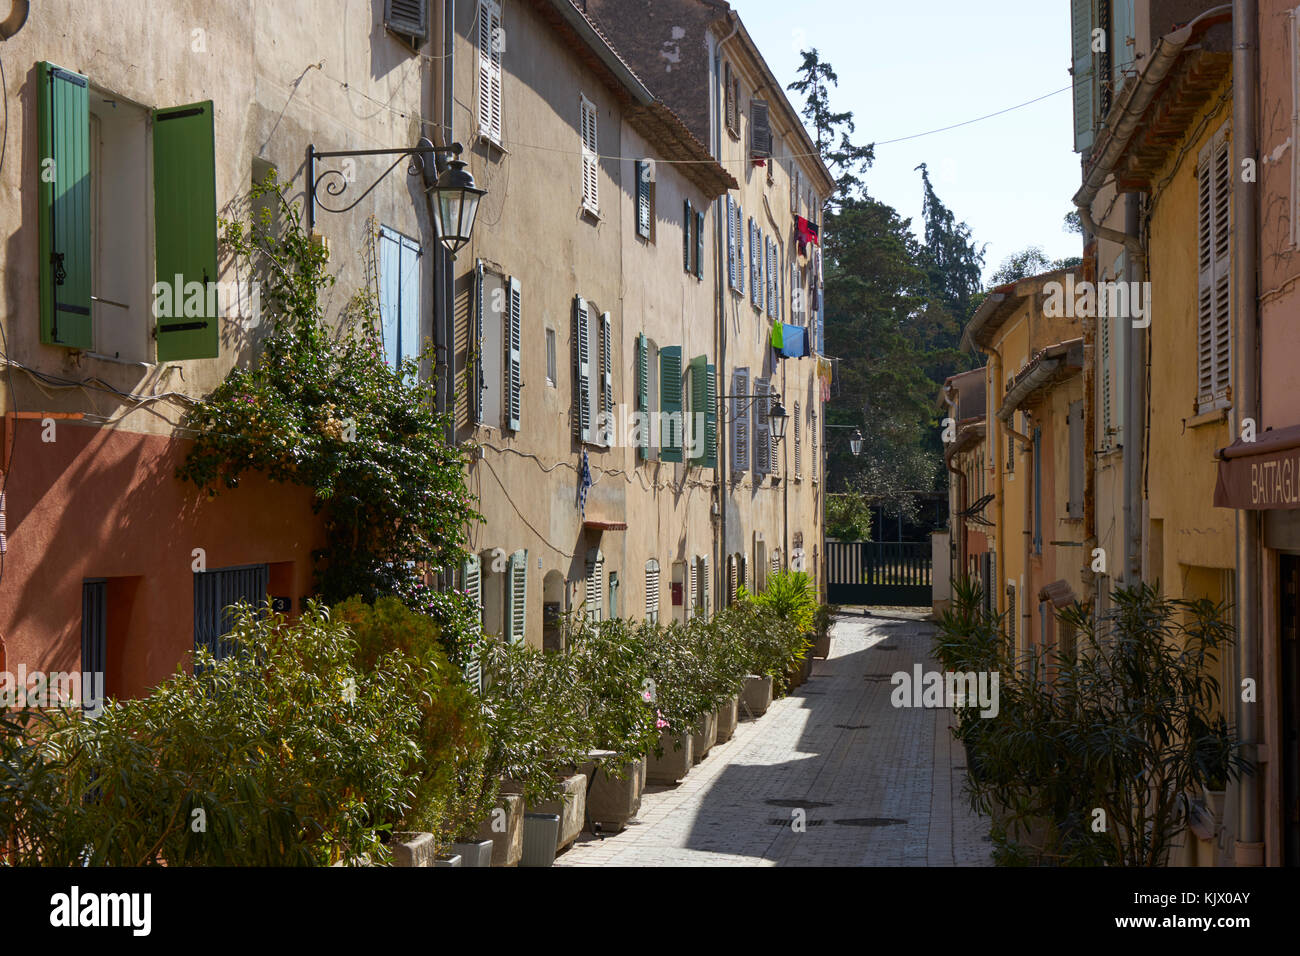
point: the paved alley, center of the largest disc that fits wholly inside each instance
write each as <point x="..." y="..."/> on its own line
<point x="878" y="785"/>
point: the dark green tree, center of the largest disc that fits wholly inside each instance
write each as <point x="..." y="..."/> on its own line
<point x="832" y="131"/>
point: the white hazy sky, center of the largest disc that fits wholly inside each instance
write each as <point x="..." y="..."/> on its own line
<point x="908" y="66"/>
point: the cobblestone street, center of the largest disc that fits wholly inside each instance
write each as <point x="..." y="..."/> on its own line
<point x="880" y="786"/>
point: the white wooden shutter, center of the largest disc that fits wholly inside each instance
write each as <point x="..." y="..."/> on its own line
<point x="595" y="585"/>
<point x="514" y="364"/>
<point x="606" y="436"/>
<point x="590" y="158"/>
<point x="489" y="70"/>
<point x="582" y="359"/>
<point x="706" y="587"/>
<point x="479" y="395"/>
<point x="740" y="420"/>
<point x="652" y="591"/>
<point x="517" y="597"/>
<point x="472" y="581"/>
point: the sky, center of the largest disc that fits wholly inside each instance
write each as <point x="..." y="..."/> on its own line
<point x="909" y="66"/>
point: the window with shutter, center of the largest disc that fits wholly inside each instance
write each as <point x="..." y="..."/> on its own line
<point x="652" y="591"/>
<point x="796" y="179"/>
<point x="409" y="18"/>
<point x="688" y="219"/>
<point x="595" y="585"/>
<point x="582" y="368"/>
<point x="699" y="245"/>
<point x="733" y="578"/>
<point x="590" y="158"/>
<point x="776" y="560"/>
<point x="1083" y="21"/>
<point x="1214" y="275"/>
<point x="773" y="280"/>
<point x="1038" y="491"/>
<point x="1074" y="508"/>
<point x="760" y="130"/>
<point x="694" y="424"/>
<point x="489" y="43"/>
<point x="813" y="435"/>
<point x="514" y="401"/>
<point x="606" y="435"/>
<point x="754" y="280"/>
<point x="744" y="570"/>
<point x="692" y="599"/>
<point x="762" y="431"/>
<point x="185" y="224"/>
<point x="472" y="583"/>
<point x="731" y="242"/>
<point x="670" y="403"/>
<point x="63" y="191"/>
<point x="399" y="296"/>
<point x="643" y="395"/>
<point x="517" y="597"/>
<point x="740" y="250"/>
<point x="644" y="200"/>
<point x="740" y="420"/>
<point x="761" y="291"/>
<point x="1011" y="614"/>
<point x="706" y="587"/>
<point x="479" y="388"/>
<point x="710" y="416"/>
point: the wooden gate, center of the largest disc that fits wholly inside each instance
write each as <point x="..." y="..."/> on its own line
<point x="879" y="573"/>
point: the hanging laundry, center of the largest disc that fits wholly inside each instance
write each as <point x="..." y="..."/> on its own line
<point x="794" y="341"/>
<point x="778" y="335"/>
<point x="806" y="232"/>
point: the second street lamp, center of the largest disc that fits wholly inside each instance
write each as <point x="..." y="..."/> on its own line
<point x="455" y="205"/>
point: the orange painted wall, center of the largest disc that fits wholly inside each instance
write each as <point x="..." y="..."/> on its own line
<point x="100" y="503"/>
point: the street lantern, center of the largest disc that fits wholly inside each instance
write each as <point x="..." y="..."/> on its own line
<point x="778" y="419"/>
<point x="455" y="205"/>
<point x="855" y="443"/>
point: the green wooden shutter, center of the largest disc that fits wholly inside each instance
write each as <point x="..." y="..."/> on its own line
<point x="514" y="404"/>
<point x="517" y="597"/>
<point x="185" y="227"/>
<point x="63" y="199"/>
<point x="699" y="398"/>
<point x="643" y="394"/>
<point x="670" y="402"/>
<point x="472" y="579"/>
<point x="699" y="245"/>
<point x="687" y="218"/>
<point x="711" y="416"/>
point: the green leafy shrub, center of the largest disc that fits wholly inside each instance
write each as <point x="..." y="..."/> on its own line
<point x="612" y="669"/>
<point x="284" y="753"/>
<point x="451" y="731"/>
<point x="791" y="595"/>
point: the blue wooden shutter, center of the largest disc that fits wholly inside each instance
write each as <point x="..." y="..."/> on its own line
<point x="670" y="402"/>
<point x="185" y="224"/>
<point x="64" y="208"/>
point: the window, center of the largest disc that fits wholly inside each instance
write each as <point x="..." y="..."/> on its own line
<point x="645" y="200"/>
<point x="215" y="592"/>
<point x="760" y="130"/>
<point x="399" y="296"/>
<point x="590" y="159"/>
<point x="498" y="352"/>
<point x="699" y="245"/>
<point x="593" y="373"/>
<point x="731" y="95"/>
<point x="647" y="396"/>
<point x="595" y="585"/>
<point x="740" y="407"/>
<point x="1011" y="613"/>
<point x="652" y="591"/>
<point x="551" y="368"/>
<point x="75" y="195"/>
<point x="490" y="46"/>
<point x="1214" y="274"/>
<point x="1074" y="423"/>
<point x="516" y="620"/>
<point x="408" y="19"/>
<point x="94" y="639"/>
<point x="702" y="579"/>
<point x="692" y="239"/>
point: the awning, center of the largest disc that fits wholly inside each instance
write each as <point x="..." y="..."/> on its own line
<point x="592" y="524"/>
<point x="1059" y="593"/>
<point x="1262" y="475"/>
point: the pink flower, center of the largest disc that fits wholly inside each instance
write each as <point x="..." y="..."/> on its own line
<point x="660" y="723"/>
<point x="645" y="695"/>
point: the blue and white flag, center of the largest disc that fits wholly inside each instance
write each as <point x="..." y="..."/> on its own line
<point x="586" y="483"/>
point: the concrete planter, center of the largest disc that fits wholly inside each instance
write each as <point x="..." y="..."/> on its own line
<point x="822" y="645"/>
<point x="611" y="801"/>
<point x="674" y="764"/>
<point x="807" y="668"/>
<point x="571" y="808"/>
<point x="473" y="854"/>
<point x="705" y="736"/>
<point x="413" y="849"/>
<point x="451" y="859"/>
<point x="728" y="714"/>
<point x="541" y="837"/>
<point x="756" y="697"/>
<point x="505" y="831"/>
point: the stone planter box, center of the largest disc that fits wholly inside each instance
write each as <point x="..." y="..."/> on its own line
<point x="705" y="736"/>
<point x="473" y="854"/>
<point x="413" y="849"/>
<point x="541" y="837"/>
<point x="756" y="697"/>
<point x="807" y="668"/>
<point x="571" y="808"/>
<point x="612" y="802"/>
<point x="822" y="645"/>
<point x="728" y="715"/>
<point x="451" y="859"/>
<point x="674" y="764"/>
<point x="507" y="843"/>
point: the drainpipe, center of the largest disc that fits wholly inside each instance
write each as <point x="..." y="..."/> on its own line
<point x="1134" y="406"/>
<point x="719" y="258"/>
<point x="1245" y="393"/>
